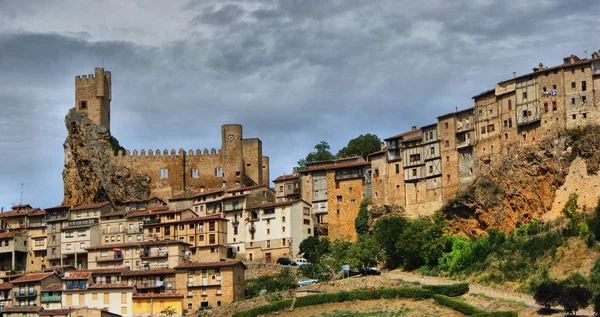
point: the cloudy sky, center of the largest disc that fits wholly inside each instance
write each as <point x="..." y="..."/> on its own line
<point x="292" y="72"/>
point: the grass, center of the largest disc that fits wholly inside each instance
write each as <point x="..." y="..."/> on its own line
<point x="379" y="313"/>
<point x="509" y="301"/>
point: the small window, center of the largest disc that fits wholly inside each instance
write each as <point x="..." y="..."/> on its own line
<point x="554" y="106"/>
<point x="414" y="172"/>
<point x="83" y="105"/>
<point x="164" y="173"/>
<point x="583" y="99"/>
<point x="430" y="169"/>
<point x="554" y="86"/>
<point x="574" y="116"/>
<point x="397" y="168"/>
<point x="446" y="143"/>
<point x="445" y="125"/>
<point x="482" y="130"/>
<point x="509" y="104"/>
<point x="573" y="85"/>
<point x="339" y="198"/>
<point x="545" y="107"/>
<point x="583" y="86"/>
<point x="572" y="101"/>
<point x="524" y="95"/>
<point x="195" y="173"/>
<point x="584" y="115"/>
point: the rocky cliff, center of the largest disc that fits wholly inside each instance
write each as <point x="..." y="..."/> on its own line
<point x="531" y="183"/>
<point x="89" y="175"/>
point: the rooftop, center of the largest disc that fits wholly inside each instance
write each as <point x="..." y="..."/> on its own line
<point x="53" y="288"/>
<point x="90" y="206"/>
<point x="32" y="277"/>
<point x="104" y="285"/>
<point x="335" y="166"/>
<point x="196" y="194"/>
<point x="153" y="295"/>
<point x="77" y="275"/>
<point x="287" y="177"/>
<point x="148" y="272"/>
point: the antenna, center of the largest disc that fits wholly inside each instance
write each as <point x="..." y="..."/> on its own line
<point x="21" y="193"/>
<point x="585" y="53"/>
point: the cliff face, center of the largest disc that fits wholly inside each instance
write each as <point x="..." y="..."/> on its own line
<point x="89" y="176"/>
<point x="531" y="183"/>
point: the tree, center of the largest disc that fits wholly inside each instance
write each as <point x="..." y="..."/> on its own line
<point x="322" y="154"/>
<point x="575" y="298"/>
<point x="168" y="311"/>
<point x="387" y="233"/>
<point x="361" y="146"/>
<point x="595" y="276"/>
<point x="570" y="211"/>
<point x="593" y="222"/>
<point x="364" y="252"/>
<point x="313" y="249"/>
<point x="361" y="223"/>
<point x="547" y="294"/>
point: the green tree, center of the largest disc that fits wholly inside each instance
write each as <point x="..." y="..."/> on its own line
<point x="570" y="211"/>
<point x="387" y="233"/>
<point x="361" y="146"/>
<point x="168" y="311"/>
<point x="322" y="153"/>
<point x="364" y="252"/>
<point x="593" y="222"/>
<point x="548" y="293"/>
<point x="361" y="223"/>
<point x="595" y="276"/>
<point x="313" y="249"/>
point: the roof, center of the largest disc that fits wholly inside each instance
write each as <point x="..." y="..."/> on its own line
<point x="402" y="134"/>
<point x="32" y="277"/>
<point x="24" y="309"/>
<point x="239" y="189"/>
<point x="276" y="204"/>
<point x="59" y="207"/>
<point x="76" y="275"/>
<point x="192" y="219"/>
<point x="335" y="166"/>
<point x="429" y="126"/>
<point x="199" y="265"/>
<point x="377" y="153"/>
<point x="38" y="213"/>
<point x="114" y="213"/>
<point x="114" y="270"/>
<point x="15" y="213"/>
<point x="188" y="195"/>
<point x="53" y="312"/>
<point x="485" y="93"/>
<point x="53" y="288"/>
<point x="104" y="285"/>
<point x="7" y="235"/>
<point x="135" y="244"/>
<point x="152" y="295"/>
<point x="148" y="272"/>
<point x="89" y="206"/>
<point x="21" y="206"/>
<point x="287" y="177"/>
<point x="156" y="212"/>
<point x="6" y="286"/>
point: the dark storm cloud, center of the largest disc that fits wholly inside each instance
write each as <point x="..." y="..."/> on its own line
<point x="292" y="72"/>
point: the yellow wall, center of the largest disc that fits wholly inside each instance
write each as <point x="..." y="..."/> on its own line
<point x="141" y="306"/>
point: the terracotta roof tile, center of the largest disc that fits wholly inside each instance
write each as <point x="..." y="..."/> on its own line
<point x="89" y="206"/>
<point x="148" y="272"/>
<point x="38" y="213"/>
<point x="198" y="265"/>
<point x="6" y="286"/>
<point x="7" y="235"/>
<point x="59" y="207"/>
<point x="287" y="177"/>
<point x="335" y="166"/>
<point x="377" y="153"/>
<point x="153" y="295"/>
<point x="55" y="312"/>
<point x="53" y="288"/>
<point x="32" y="277"/>
<point x="239" y="189"/>
<point x="19" y="309"/>
<point x="103" y="285"/>
<point x="76" y="275"/>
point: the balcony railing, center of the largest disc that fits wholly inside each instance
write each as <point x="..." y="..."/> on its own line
<point x="232" y="208"/>
<point x="5" y="298"/>
<point x="27" y="293"/>
<point x="50" y="217"/>
<point x="155" y="284"/>
<point x="113" y="231"/>
<point x="36" y="224"/>
<point x="55" y="256"/>
<point x="155" y="254"/>
<point x="151" y="221"/>
<point x="83" y="222"/>
<point x="50" y="298"/>
<point x="110" y="258"/>
<point x="349" y="176"/>
<point x="134" y="230"/>
<point x="200" y="282"/>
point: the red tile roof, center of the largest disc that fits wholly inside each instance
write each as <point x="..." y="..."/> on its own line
<point x="287" y="177"/>
<point x="59" y="207"/>
<point x="53" y="288"/>
<point x="403" y="134"/>
<point x="6" y="286"/>
<point x="89" y="206"/>
<point x="77" y="275"/>
<point x="8" y="214"/>
<point x="7" y="235"/>
<point x="114" y="213"/>
<point x="198" y="193"/>
<point x="148" y="272"/>
<point x="55" y="312"/>
<point x="199" y="265"/>
<point x="102" y="285"/>
<point x="115" y="270"/>
<point x="38" y="213"/>
<point x="335" y="166"/>
<point x="32" y="277"/>
<point x="136" y="244"/>
<point x="19" y="309"/>
<point x="275" y="204"/>
<point x="156" y="212"/>
<point x="153" y="295"/>
<point x="239" y="189"/>
<point x="377" y="153"/>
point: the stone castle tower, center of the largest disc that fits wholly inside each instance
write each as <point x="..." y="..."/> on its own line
<point x="239" y="162"/>
<point x="93" y="95"/>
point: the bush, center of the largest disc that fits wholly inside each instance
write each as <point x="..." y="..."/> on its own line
<point x="547" y="294"/>
<point x="449" y="290"/>
<point x="575" y="298"/>
<point x="318" y="272"/>
<point x="265" y="309"/>
<point x="457" y="305"/>
<point x="406" y="292"/>
<point x="361" y="223"/>
<point x="497" y="314"/>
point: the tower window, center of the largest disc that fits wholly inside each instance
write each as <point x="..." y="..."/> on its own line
<point x="219" y="172"/>
<point x="83" y="105"/>
<point x="164" y="173"/>
<point x="195" y="173"/>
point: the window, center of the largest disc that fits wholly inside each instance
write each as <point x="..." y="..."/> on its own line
<point x="431" y="135"/>
<point x="506" y="123"/>
<point x="509" y="104"/>
<point x="574" y="116"/>
<point x="69" y="234"/>
<point x="397" y="168"/>
<point x="106" y="298"/>
<point x="94" y="296"/>
<point x="480" y="112"/>
<point x="584" y="115"/>
<point x="353" y="201"/>
<point x="445" y="125"/>
<point x="583" y="86"/>
<point x="446" y="143"/>
<point x="414" y="172"/>
<point x="415" y="157"/>
<point x="583" y="99"/>
<point x="430" y="169"/>
<point x="211" y="239"/>
<point x="491" y="128"/>
<point x="235" y="230"/>
<point x="337" y="185"/>
<point x="282" y="219"/>
<point x="268" y="231"/>
<point x="83" y="105"/>
<point x="81" y="233"/>
<point x="554" y="106"/>
<point x="524" y="95"/>
<point x="350" y="189"/>
<point x="572" y="101"/>
<point x="195" y="173"/>
<point x="123" y="298"/>
<point x="573" y="85"/>
<point x="483" y="130"/>
<point x="164" y="173"/>
<point x="68" y="246"/>
<point x="432" y="150"/>
<point x="545" y="107"/>
<point x="316" y="193"/>
<point x="339" y="198"/>
<point x="525" y="113"/>
<point x="283" y="230"/>
<point x="544" y="89"/>
<point x="219" y="172"/>
<point x="82" y="245"/>
<point x="281" y="188"/>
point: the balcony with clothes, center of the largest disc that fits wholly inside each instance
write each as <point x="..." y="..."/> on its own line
<point x="50" y="297"/>
<point x="57" y="215"/>
<point x="253" y="216"/>
<point x="39" y="223"/>
<point x="342" y="174"/>
<point x="149" y="266"/>
<point x="155" y="253"/>
<point x="234" y="205"/>
<point x="158" y="283"/>
<point x="116" y="256"/>
<point x="151" y="221"/>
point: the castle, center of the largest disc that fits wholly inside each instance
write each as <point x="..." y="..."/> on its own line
<point x="238" y="162"/>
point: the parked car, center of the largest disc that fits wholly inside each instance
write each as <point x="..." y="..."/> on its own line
<point x="369" y="271"/>
<point x="301" y="261"/>
<point x="286" y="261"/>
<point x="307" y="282"/>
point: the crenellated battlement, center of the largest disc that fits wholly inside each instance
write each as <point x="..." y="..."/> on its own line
<point x="170" y="153"/>
<point x="85" y="79"/>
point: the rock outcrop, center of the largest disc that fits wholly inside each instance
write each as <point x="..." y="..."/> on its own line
<point x="524" y="187"/>
<point x="89" y="175"/>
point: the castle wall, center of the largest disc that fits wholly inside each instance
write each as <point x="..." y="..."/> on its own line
<point x="253" y="161"/>
<point x="93" y="95"/>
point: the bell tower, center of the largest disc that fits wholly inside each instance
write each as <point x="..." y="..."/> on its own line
<point x="93" y="95"/>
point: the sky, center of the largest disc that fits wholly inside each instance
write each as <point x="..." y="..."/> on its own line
<point x="292" y="72"/>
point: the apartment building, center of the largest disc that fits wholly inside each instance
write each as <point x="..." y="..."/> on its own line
<point x="51" y="296"/>
<point x="56" y="218"/>
<point x="6" y="296"/>
<point x="13" y="251"/>
<point x="146" y="255"/>
<point x="287" y="187"/>
<point x="113" y="297"/>
<point x="27" y="288"/>
<point x="211" y="283"/>
<point x="277" y="229"/>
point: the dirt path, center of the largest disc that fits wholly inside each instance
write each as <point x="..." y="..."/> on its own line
<point x="473" y="288"/>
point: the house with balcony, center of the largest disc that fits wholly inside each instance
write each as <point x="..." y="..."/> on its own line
<point x="116" y="298"/>
<point x="113" y="226"/>
<point x="211" y="283"/>
<point x="56" y="218"/>
<point x="27" y="288"/>
<point x="6" y="296"/>
<point x="51" y="296"/>
<point x="207" y="236"/>
<point x="146" y="255"/>
<point x="13" y="251"/>
<point x="141" y="205"/>
<point x="277" y="229"/>
<point x="287" y="187"/>
<point x="108" y="275"/>
<point x="160" y="225"/>
<point x="154" y="281"/>
<point x="203" y="202"/>
<point x="76" y="236"/>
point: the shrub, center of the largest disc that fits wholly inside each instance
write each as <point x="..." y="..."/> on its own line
<point x="361" y="223"/>
<point x="547" y="294"/>
<point x="497" y="314"/>
<point x="457" y="305"/>
<point x="590" y="240"/>
<point x="283" y="281"/>
<point x="265" y="309"/>
<point x="575" y="298"/>
<point x="449" y="290"/>
<point x="313" y="249"/>
<point x="317" y="271"/>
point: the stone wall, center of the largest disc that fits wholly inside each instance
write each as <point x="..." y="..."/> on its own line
<point x="343" y="202"/>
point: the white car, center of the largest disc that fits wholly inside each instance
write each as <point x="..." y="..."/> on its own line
<point x="301" y="261"/>
<point x="307" y="282"/>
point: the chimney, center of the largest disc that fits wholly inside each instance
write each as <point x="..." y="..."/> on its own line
<point x="202" y="189"/>
<point x="514" y="74"/>
<point x="224" y="184"/>
<point x="541" y="66"/>
<point x="414" y="128"/>
<point x="595" y="55"/>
